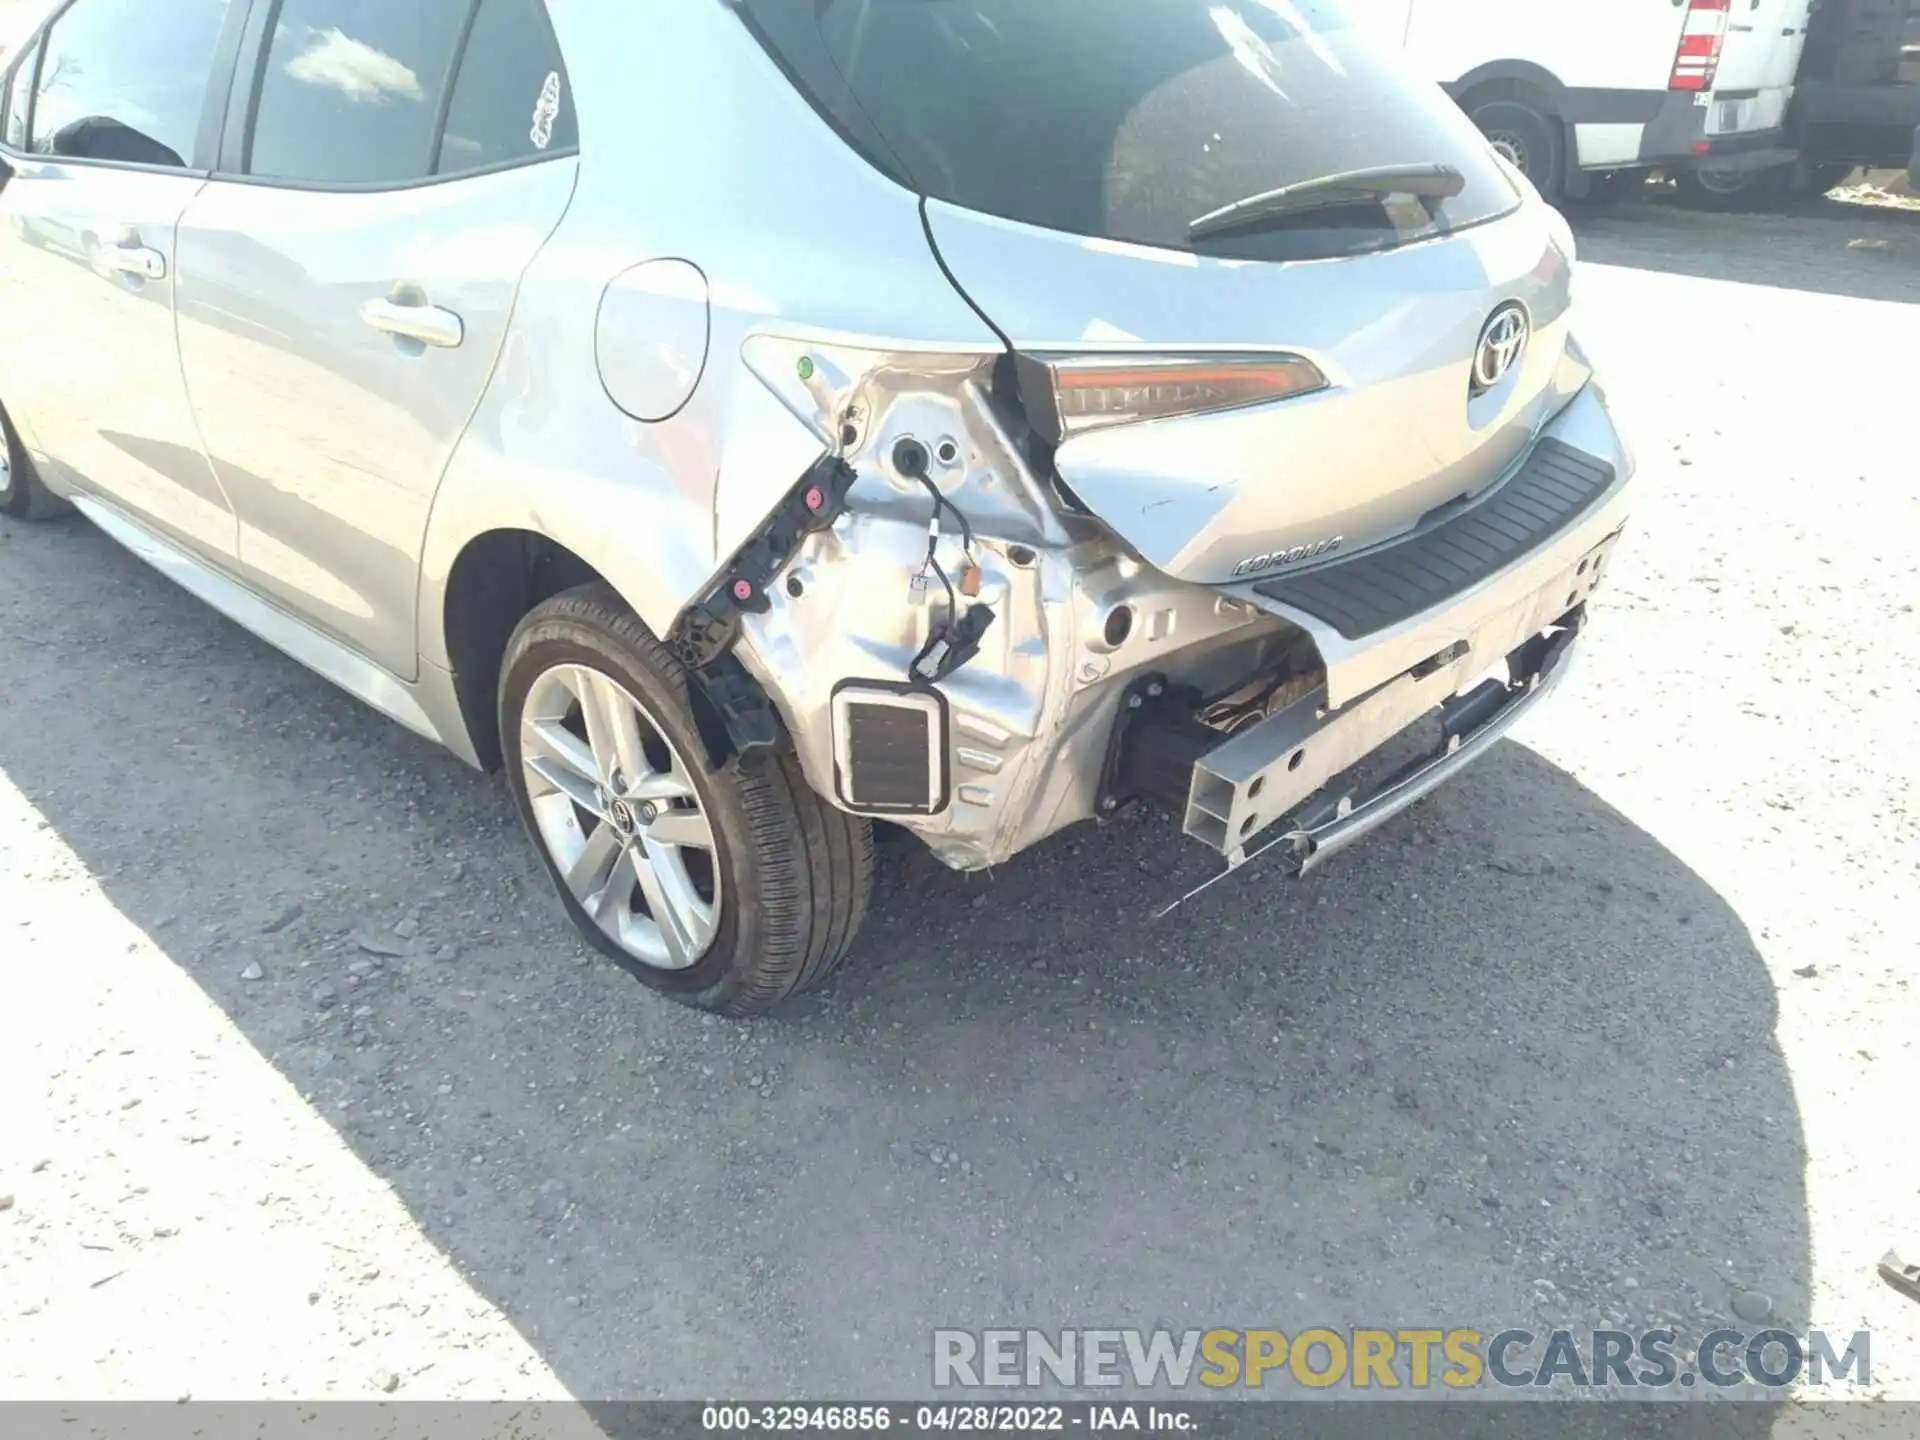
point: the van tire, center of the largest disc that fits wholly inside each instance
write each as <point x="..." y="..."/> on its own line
<point x="22" y="496"/>
<point x="1532" y="139"/>
<point x="1730" y="190"/>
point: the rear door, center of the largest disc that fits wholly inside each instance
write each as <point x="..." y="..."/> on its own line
<point x="1758" y="60"/>
<point x="108" y="149"/>
<point x="347" y="280"/>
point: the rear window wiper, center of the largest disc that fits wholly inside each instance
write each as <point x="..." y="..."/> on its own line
<point x="1331" y="192"/>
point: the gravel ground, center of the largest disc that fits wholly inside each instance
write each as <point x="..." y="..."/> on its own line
<point x="309" y="1091"/>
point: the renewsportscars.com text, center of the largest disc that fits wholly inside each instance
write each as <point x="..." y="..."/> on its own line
<point x="1395" y="1359"/>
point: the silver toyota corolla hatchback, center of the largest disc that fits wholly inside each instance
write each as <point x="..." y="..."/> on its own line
<point x="740" y="420"/>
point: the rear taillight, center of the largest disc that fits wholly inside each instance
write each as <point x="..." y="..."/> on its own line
<point x="1087" y="393"/>
<point x="1700" y="40"/>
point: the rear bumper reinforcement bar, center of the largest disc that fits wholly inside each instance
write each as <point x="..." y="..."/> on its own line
<point x="1296" y="775"/>
<point x="1487" y="713"/>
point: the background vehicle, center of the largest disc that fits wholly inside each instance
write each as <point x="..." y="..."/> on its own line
<point x="1574" y="91"/>
<point x="931" y="422"/>
<point x="1858" y="101"/>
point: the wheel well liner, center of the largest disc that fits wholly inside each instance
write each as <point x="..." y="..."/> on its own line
<point x="498" y="577"/>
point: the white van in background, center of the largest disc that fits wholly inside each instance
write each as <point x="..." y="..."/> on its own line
<point x="1572" y="90"/>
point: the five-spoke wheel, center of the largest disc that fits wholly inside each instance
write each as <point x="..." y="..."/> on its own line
<point x="618" y="811"/>
<point x="728" y="883"/>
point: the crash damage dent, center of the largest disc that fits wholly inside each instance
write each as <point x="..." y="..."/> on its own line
<point x="1074" y="616"/>
<point x="929" y="554"/>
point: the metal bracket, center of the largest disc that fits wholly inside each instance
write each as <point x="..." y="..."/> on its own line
<point x="709" y="626"/>
<point x="734" y="712"/>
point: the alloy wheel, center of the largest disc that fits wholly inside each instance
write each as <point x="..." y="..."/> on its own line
<point x="618" y="811"/>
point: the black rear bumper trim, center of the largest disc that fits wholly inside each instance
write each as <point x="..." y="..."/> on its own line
<point x="1373" y="591"/>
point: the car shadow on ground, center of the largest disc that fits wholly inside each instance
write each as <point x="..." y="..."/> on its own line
<point x="1824" y="246"/>
<point x="1511" y="1064"/>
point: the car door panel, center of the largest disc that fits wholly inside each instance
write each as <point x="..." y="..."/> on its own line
<point x="335" y="344"/>
<point x="88" y="353"/>
<point x="102" y="162"/>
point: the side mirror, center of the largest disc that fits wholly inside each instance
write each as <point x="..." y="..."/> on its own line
<point x="6" y="173"/>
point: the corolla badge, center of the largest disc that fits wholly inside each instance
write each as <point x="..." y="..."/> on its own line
<point x="1502" y="343"/>
<point x="1274" y="559"/>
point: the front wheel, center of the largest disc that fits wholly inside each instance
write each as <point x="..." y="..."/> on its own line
<point x="725" y="887"/>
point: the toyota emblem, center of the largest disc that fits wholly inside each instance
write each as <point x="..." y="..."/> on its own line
<point x="1502" y="343"/>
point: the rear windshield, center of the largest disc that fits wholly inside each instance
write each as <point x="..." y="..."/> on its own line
<point x="1130" y="119"/>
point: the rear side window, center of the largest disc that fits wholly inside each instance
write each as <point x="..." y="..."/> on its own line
<point x="390" y="92"/>
<point x="512" y="101"/>
<point x="126" y="80"/>
<point x="351" y="90"/>
<point x="1130" y="119"/>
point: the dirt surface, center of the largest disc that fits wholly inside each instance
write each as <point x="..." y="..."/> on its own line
<point x="1614" y="1030"/>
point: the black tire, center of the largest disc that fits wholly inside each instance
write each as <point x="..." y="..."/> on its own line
<point x="22" y="496"/>
<point x="1730" y="190"/>
<point x="796" y="874"/>
<point x="1531" y="138"/>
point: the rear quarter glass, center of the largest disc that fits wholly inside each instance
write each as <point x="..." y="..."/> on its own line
<point x="1126" y="120"/>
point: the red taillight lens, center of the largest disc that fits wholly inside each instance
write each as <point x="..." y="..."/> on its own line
<point x="1701" y="36"/>
<point x="1094" y="392"/>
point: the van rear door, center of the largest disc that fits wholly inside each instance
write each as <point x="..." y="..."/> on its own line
<point x="1758" y="61"/>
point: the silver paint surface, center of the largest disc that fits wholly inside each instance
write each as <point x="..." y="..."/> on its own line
<point x="330" y="395"/>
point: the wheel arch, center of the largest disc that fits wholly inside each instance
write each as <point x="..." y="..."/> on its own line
<point x="498" y="577"/>
<point x="1513" y="80"/>
<point x="495" y="579"/>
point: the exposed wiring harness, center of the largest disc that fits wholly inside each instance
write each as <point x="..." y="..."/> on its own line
<point x="954" y="639"/>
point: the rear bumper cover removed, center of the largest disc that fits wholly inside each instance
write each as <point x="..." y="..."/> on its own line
<point x="1494" y="594"/>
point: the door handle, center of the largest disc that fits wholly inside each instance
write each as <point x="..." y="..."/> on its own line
<point x="428" y="324"/>
<point x="134" y="259"/>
